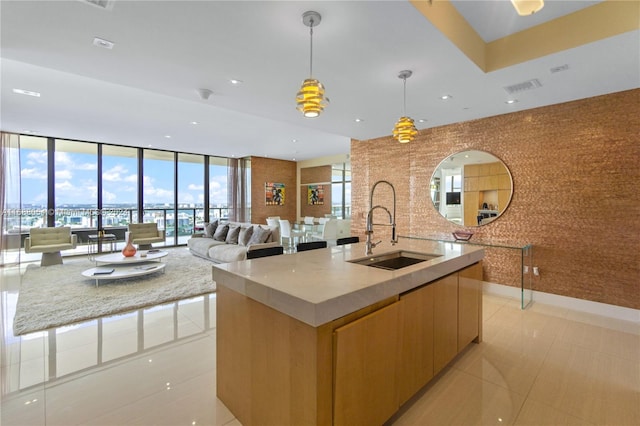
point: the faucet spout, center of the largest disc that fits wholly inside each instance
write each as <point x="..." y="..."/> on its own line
<point x="392" y="218"/>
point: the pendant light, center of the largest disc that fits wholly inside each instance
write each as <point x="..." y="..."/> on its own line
<point x="311" y="100"/>
<point x="527" y="7"/>
<point x="404" y="130"/>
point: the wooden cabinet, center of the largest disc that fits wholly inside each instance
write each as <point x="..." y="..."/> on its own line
<point x="445" y="321"/>
<point x="490" y="183"/>
<point x="355" y="370"/>
<point x="415" y="363"/>
<point x="365" y="363"/>
<point x="469" y="305"/>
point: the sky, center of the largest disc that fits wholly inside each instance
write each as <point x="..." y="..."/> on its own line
<point x="76" y="180"/>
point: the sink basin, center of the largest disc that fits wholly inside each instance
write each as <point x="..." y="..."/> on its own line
<point x="396" y="260"/>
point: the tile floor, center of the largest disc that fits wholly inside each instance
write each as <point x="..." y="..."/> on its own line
<point x="541" y="366"/>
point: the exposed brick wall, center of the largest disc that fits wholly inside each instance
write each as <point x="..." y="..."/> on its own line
<point x="315" y="175"/>
<point x="576" y="177"/>
<point x="270" y="170"/>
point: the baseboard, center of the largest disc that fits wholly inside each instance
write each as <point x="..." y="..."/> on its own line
<point x="596" y="308"/>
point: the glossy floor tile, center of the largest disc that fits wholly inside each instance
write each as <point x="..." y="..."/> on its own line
<point x="541" y="366"/>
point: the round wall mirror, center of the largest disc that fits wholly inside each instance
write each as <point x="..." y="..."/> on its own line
<point x="471" y="188"/>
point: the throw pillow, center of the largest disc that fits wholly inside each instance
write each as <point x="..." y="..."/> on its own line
<point x="260" y="235"/>
<point x="245" y="235"/>
<point x="210" y="228"/>
<point x="221" y="232"/>
<point x="232" y="234"/>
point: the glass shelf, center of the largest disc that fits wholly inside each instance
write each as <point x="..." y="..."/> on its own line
<point x="526" y="258"/>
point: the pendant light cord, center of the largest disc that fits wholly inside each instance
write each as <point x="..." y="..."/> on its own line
<point x="311" y="48"/>
<point x="404" y="96"/>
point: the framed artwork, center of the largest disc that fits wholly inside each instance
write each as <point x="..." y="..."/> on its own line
<point x="315" y="195"/>
<point x="274" y="193"/>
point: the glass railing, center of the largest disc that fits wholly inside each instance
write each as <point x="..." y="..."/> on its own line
<point x="115" y="221"/>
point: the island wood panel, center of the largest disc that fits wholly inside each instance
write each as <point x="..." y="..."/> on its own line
<point x="445" y="321"/>
<point x="469" y="305"/>
<point x="415" y="366"/>
<point x="232" y="354"/>
<point x="271" y="368"/>
<point x="365" y="369"/>
<point x="274" y="369"/>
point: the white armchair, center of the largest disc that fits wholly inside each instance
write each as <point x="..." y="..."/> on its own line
<point x="145" y="234"/>
<point x="49" y="242"/>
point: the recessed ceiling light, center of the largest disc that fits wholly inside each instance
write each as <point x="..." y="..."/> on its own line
<point x="29" y="132"/>
<point x="445" y="97"/>
<point x="195" y="123"/>
<point x="235" y="82"/>
<point x="26" y="92"/>
<point x="511" y="101"/>
<point x="167" y="136"/>
<point x="358" y="120"/>
<point x="100" y="42"/>
<point x="149" y="145"/>
<point x="422" y="120"/>
<point x="294" y="140"/>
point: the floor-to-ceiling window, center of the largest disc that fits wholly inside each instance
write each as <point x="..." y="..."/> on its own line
<point x="76" y="184"/>
<point x="191" y="184"/>
<point x="90" y="186"/>
<point x="119" y="186"/>
<point x="218" y="207"/>
<point x="34" y="182"/>
<point x="158" y="191"/>
<point x="341" y="190"/>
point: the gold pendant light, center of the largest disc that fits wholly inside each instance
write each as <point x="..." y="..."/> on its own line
<point x="311" y="100"/>
<point x="527" y="7"/>
<point x="404" y="130"/>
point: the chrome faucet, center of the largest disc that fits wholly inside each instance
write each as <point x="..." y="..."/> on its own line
<point x="392" y="219"/>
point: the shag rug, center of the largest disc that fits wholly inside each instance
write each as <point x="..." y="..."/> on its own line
<point x="52" y="296"/>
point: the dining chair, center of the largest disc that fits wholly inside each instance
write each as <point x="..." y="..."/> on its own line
<point x="311" y="245"/>
<point x="273" y="221"/>
<point x="265" y="252"/>
<point x="347" y="240"/>
<point x="329" y="231"/>
<point x="289" y="234"/>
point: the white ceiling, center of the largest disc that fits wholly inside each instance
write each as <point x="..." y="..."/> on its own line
<point x="145" y="87"/>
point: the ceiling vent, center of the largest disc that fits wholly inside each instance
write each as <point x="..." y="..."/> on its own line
<point x="102" y="4"/>
<point x="524" y="86"/>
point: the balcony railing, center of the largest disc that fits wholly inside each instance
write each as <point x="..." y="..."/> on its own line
<point x="114" y="221"/>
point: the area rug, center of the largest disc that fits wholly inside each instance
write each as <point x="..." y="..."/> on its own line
<point x="53" y="296"/>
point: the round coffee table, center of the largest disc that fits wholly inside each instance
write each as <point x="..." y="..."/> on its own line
<point x="115" y="265"/>
<point x="119" y="259"/>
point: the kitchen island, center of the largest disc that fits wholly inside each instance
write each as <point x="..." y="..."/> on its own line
<point x="314" y="338"/>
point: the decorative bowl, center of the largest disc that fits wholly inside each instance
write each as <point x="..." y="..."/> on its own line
<point x="462" y="235"/>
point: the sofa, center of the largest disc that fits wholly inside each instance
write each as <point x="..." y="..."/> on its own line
<point x="223" y="242"/>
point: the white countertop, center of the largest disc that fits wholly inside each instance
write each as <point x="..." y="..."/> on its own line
<point x="318" y="286"/>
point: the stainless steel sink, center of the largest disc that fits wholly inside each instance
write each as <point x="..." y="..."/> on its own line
<point x="395" y="260"/>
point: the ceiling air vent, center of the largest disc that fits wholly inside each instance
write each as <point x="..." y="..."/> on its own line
<point x="524" y="86"/>
<point x="102" y="4"/>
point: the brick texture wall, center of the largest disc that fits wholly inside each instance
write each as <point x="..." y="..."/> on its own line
<point x="269" y="170"/>
<point x="315" y="175"/>
<point x="576" y="177"/>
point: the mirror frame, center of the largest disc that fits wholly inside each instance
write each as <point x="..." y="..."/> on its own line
<point x="485" y="179"/>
